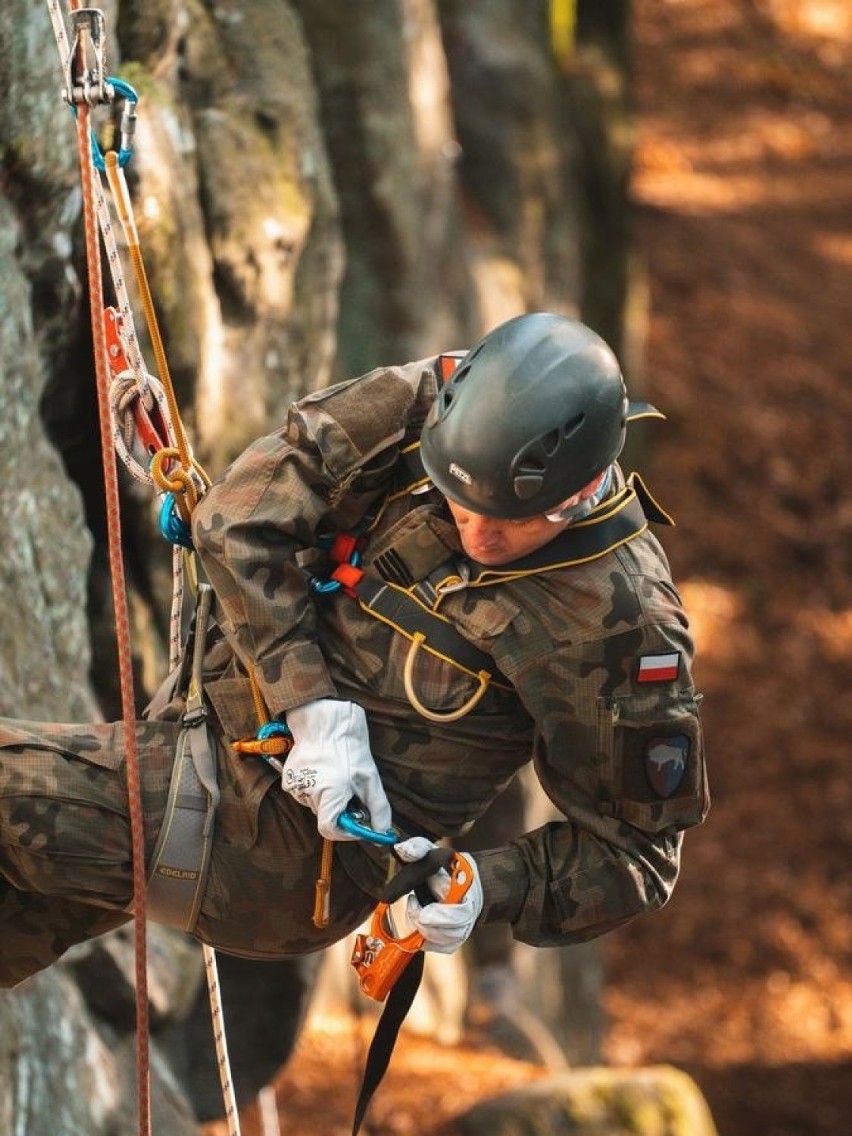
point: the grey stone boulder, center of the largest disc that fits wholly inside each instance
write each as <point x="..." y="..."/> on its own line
<point x="654" y="1101"/>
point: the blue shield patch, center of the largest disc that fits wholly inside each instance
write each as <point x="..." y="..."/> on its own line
<point x="665" y="763"/>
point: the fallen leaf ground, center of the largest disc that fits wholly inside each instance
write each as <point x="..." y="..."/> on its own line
<point x="744" y="193"/>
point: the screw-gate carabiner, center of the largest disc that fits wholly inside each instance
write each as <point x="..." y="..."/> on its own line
<point x="127" y="126"/>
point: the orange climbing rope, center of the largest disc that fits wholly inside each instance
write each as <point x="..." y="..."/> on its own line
<point x="121" y="616"/>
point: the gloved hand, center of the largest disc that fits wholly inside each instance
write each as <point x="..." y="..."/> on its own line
<point x="444" y="926"/>
<point x="330" y="763"/>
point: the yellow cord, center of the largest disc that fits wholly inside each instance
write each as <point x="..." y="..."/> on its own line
<point x="434" y="715"/>
<point x="178" y="482"/>
<point x="322" y="892"/>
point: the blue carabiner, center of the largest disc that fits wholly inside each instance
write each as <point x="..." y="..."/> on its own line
<point x="326" y="587"/>
<point x="128" y="124"/>
<point x="273" y="729"/>
<point x="323" y="587"/>
<point x="172" y="526"/>
<point x="127" y="127"/>
<point x="352" y="821"/>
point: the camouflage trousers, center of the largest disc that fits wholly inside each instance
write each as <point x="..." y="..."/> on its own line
<point x="65" y="848"/>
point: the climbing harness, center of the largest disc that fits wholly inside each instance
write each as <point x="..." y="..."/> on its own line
<point x="411" y="609"/>
<point x="181" y="858"/>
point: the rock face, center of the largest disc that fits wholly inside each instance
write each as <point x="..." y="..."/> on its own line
<point x="317" y="192"/>
<point x="43" y="636"/>
<point x="67" y="1042"/>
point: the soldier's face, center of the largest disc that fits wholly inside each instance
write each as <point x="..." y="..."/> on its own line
<point x="493" y="541"/>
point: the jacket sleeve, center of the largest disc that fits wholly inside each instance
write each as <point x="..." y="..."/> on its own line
<point x="332" y="459"/>
<point x="619" y="752"/>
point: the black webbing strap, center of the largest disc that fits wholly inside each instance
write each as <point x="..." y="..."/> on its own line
<point x="398" y="607"/>
<point x="613" y="523"/>
<point x="396" y="1008"/>
<point x="411" y="877"/>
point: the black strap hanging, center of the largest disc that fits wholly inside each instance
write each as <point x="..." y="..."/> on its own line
<point x="410" y="877"/>
<point x="396" y="1008"/>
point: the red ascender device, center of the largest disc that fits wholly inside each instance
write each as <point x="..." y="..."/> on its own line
<point x="380" y="955"/>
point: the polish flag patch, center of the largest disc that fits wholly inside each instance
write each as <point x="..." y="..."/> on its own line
<point x="658" y="668"/>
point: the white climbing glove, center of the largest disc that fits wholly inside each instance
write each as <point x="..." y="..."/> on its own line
<point x="330" y="763"/>
<point x="444" y="926"/>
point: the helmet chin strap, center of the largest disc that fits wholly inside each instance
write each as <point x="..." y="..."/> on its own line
<point x="583" y="508"/>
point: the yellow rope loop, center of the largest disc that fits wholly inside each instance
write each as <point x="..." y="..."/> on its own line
<point x="178" y="481"/>
<point x="433" y="715"/>
<point x="158" y="461"/>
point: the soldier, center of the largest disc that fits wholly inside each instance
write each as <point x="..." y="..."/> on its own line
<point x="432" y="582"/>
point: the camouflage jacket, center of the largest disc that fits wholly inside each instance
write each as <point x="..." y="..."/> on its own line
<point x="594" y="660"/>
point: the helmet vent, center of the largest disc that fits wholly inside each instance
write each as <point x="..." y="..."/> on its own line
<point x="530" y="466"/>
<point x="444" y="401"/>
<point x="573" y="426"/>
<point x="526" y="485"/>
<point x="549" y="442"/>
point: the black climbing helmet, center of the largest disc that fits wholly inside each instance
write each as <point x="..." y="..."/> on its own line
<point x="532" y="414"/>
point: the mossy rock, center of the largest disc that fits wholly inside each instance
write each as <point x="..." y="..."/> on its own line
<point x="656" y="1101"/>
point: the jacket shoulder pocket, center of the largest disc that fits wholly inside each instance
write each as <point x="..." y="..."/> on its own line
<point x="654" y="770"/>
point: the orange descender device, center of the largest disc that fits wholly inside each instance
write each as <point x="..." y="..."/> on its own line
<point x="380" y="955"/>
